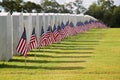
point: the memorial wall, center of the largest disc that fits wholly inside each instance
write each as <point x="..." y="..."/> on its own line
<point x="12" y="26"/>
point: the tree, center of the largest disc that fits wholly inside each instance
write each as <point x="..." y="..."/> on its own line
<point x="64" y="9"/>
<point x="76" y="7"/>
<point x="116" y="17"/>
<point x="51" y="6"/>
<point x="96" y="11"/>
<point x="12" y="5"/>
<point x="104" y="10"/>
<point x="31" y="7"/>
<point x="20" y="6"/>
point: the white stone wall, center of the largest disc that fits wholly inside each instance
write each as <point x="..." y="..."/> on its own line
<point x="11" y="28"/>
<point x="5" y="37"/>
<point x="17" y="30"/>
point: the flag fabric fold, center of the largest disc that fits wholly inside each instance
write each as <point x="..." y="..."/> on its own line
<point x="33" y="40"/>
<point x="42" y="38"/>
<point x="22" y="46"/>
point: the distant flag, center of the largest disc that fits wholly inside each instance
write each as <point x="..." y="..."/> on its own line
<point x="77" y="29"/>
<point x="55" y="33"/>
<point x="54" y="28"/>
<point x="52" y="34"/>
<point x="42" y="31"/>
<point x="63" y="31"/>
<point x="49" y="36"/>
<point x="81" y="25"/>
<point x="85" y="26"/>
<point x="62" y="25"/>
<point x="58" y="37"/>
<point x="33" y="40"/>
<point x="67" y="28"/>
<point x="71" y="29"/>
<point x="46" y="38"/>
<point x="67" y="23"/>
<point x="22" y="46"/>
<point x="71" y="24"/>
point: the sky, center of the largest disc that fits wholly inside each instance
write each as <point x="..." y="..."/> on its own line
<point x="86" y="3"/>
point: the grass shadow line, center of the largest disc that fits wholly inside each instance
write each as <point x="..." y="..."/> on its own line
<point x="58" y="52"/>
<point x="83" y="44"/>
<point x="40" y="67"/>
<point x="49" y="56"/>
<point x="82" y="41"/>
<point x="69" y="48"/>
<point x="45" y="61"/>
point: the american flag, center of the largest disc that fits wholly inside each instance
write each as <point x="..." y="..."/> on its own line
<point x="55" y="33"/>
<point x="71" y="29"/>
<point x="66" y="28"/>
<point x="22" y="46"/>
<point x="85" y="27"/>
<point x="63" y="31"/>
<point x="33" y="40"/>
<point x="48" y="36"/>
<point x="67" y="23"/>
<point x="52" y="35"/>
<point x="42" y="38"/>
<point x="77" y="29"/>
<point x="58" y="37"/>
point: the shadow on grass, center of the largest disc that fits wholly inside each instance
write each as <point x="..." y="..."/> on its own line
<point x="69" y="48"/>
<point x="40" y="67"/>
<point x="45" y="61"/>
<point x="93" y="44"/>
<point x="73" y="46"/>
<point x="48" y="56"/>
<point x="72" y="41"/>
<point x="98" y="33"/>
<point x="71" y="56"/>
<point x="58" y="52"/>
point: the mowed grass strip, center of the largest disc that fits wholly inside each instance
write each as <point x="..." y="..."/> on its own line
<point x="93" y="55"/>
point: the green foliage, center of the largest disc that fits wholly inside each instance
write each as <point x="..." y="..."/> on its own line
<point x="28" y="7"/>
<point x="53" y="7"/>
<point x="20" y="6"/>
<point x="11" y="5"/>
<point x="105" y="10"/>
<point x="76" y="7"/>
<point x="116" y="16"/>
<point x="47" y="6"/>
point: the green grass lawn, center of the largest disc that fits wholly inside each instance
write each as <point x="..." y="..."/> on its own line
<point x="94" y="55"/>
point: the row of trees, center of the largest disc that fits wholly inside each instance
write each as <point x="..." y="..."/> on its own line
<point x="106" y="11"/>
<point x="46" y="6"/>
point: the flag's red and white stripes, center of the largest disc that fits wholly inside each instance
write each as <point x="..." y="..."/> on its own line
<point x="33" y="42"/>
<point x="22" y="46"/>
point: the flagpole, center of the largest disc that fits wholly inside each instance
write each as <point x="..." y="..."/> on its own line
<point x="25" y="55"/>
<point x="36" y="37"/>
<point x="40" y="36"/>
